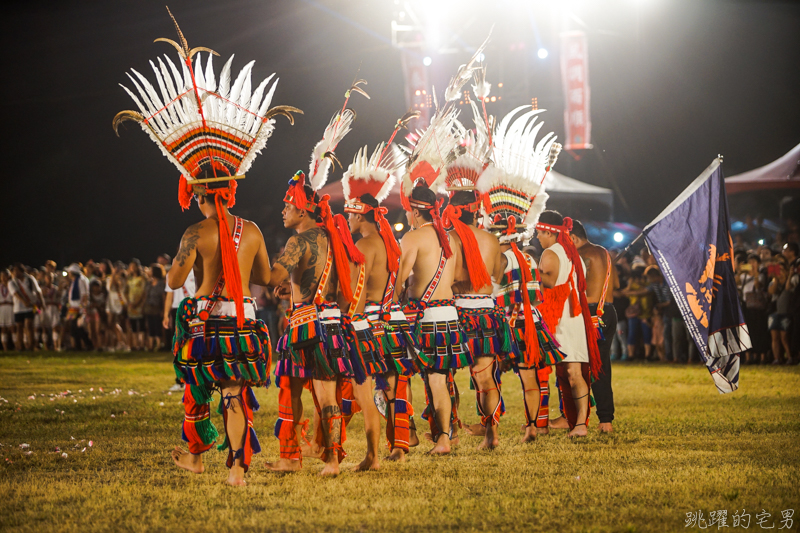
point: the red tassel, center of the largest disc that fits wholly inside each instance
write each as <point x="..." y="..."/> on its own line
<point x="230" y="262"/>
<point x="185" y="193"/>
<point x="478" y="275"/>
<point x="444" y="240"/>
<point x="343" y="229"/>
<point x="532" y="356"/>
<point x="339" y="252"/>
<point x="392" y="248"/>
<point x="231" y="196"/>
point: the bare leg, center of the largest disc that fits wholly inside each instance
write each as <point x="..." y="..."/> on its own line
<point x="235" y="427"/>
<point x="442" y="409"/>
<point x="372" y="424"/>
<point x="785" y="343"/>
<point x="580" y="396"/>
<point x="488" y="398"/>
<point x="331" y="424"/>
<point x="531" y="395"/>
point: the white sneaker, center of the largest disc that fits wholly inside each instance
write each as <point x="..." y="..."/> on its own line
<point x="177" y="387"/>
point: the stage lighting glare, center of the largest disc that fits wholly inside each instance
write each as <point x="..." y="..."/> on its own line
<point x="500" y="85"/>
<point x="761" y="242"/>
<point x="482" y="57"/>
<point x="427" y="61"/>
<point x="618" y="237"/>
<point x="64" y="274"/>
<point x="418" y="92"/>
<point x="542" y="53"/>
<point x="399" y="226"/>
<point x="493" y="98"/>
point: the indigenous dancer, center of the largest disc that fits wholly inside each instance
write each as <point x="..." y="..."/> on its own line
<point x="566" y="311"/>
<point x="366" y="183"/>
<point x="601" y="282"/>
<point x="480" y="261"/>
<point x="218" y="342"/>
<point x="512" y="190"/>
<point x="313" y="348"/>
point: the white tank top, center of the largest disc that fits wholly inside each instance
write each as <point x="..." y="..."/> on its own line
<point x="570" y="332"/>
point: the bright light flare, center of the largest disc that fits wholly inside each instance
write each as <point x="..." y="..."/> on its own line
<point x="427" y="61"/>
<point x="542" y="53"/>
<point x="399" y="227"/>
<point x="618" y="237"/>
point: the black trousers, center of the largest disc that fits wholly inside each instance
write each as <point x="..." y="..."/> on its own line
<point x="601" y="388"/>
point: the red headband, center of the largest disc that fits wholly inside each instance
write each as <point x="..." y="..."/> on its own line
<point x="186" y="192"/>
<point x="296" y="195"/>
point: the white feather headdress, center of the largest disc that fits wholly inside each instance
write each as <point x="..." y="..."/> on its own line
<point x="513" y="185"/>
<point x="322" y="157"/>
<point x="199" y="124"/>
<point x="375" y="174"/>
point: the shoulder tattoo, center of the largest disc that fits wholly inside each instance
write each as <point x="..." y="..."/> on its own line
<point x="188" y="244"/>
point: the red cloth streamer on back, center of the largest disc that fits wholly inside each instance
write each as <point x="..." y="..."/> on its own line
<point x="184" y="193"/>
<point x="478" y="275"/>
<point x="532" y="356"/>
<point x="595" y="365"/>
<point x="392" y="248"/>
<point x="230" y="261"/>
<point x="353" y="253"/>
<point x="340" y="259"/>
<point x="444" y="240"/>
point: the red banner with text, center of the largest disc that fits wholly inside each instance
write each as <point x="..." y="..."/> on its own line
<point x="575" y="80"/>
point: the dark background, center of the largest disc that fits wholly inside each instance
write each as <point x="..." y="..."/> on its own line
<point x="673" y="84"/>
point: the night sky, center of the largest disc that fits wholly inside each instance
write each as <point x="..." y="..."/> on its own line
<point x="673" y="84"/>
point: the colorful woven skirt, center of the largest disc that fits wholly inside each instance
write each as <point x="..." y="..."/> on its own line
<point x="394" y="338"/>
<point x="485" y="326"/>
<point x="441" y="341"/>
<point x="548" y="346"/>
<point x="217" y="350"/>
<point x="314" y="345"/>
<point x="365" y="356"/>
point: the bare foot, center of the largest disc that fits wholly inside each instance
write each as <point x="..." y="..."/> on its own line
<point x="530" y="434"/>
<point x="542" y="431"/>
<point x="490" y="441"/>
<point x="309" y="451"/>
<point x="427" y="436"/>
<point x="442" y="446"/>
<point x="236" y="477"/>
<point x="284" y="465"/>
<point x="413" y="439"/>
<point x="476" y="430"/>
<point x="369" y="463"/>
<point x="455" y="441"/>
<point x="187" y="461"/>
<point x="605" y="427"/>
<point x="578" y="431"/>
<point x="558" y="423"/>
<point x="331" y="469"/>
<point x="397" y="455"/>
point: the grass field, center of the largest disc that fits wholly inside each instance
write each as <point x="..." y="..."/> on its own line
<point x="679" y="446"/>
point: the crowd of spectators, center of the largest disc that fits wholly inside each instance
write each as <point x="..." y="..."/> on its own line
<point x="767" y="276"/>
<point x="108" y="306"/>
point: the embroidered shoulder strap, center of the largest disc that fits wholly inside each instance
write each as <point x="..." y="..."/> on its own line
<point x="237" y="239"/>
<point x="437" y="277"/>
<point x="326" y="274"/>
<point x="362" y="275"/>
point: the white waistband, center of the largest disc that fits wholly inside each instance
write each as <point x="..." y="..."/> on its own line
<point x="372" y="309"/>
<point x="361" y="325"/>
<point x="478" y="301"/>
<point x="223" y="308"/>
<point x="330" y="315"/>
<point x="440" y="314"/>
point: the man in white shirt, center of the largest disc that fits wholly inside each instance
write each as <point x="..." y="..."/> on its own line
<point x="27" y="299"/>
<point x="6" y="309"/>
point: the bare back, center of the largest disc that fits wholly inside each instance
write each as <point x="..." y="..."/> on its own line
<point x="419" y="261"/>
<point x="200" y="250"/>
<point x="596" y="259"/>
<point x="304" y="259"/>
<point x="377" y="270"/>
<point x="492" y="256"/>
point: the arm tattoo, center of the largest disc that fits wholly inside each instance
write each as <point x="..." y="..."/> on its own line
<point x="188" y="243"/>
<point x="294" y="251"/>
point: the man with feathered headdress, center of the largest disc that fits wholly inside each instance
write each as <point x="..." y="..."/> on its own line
<point x="480" y="261"/>
<point x="366" y="183"/>
<point x="513" y="197"/>
<point x="212" y="134"/>
<point x="314" y="347"/>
